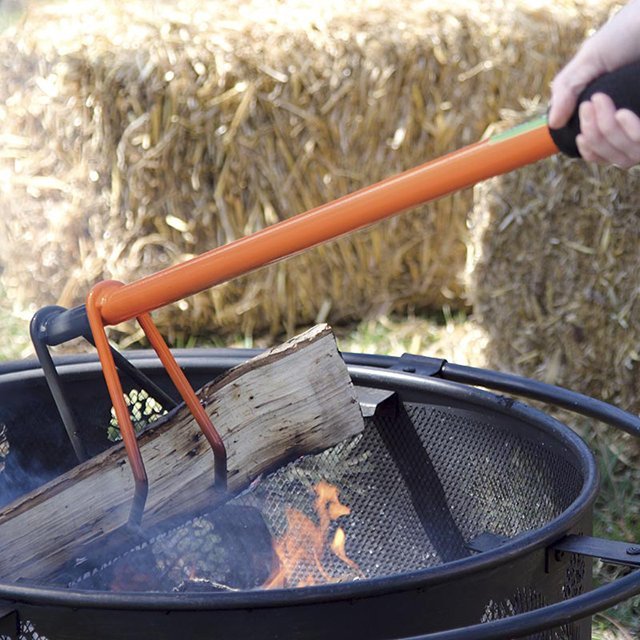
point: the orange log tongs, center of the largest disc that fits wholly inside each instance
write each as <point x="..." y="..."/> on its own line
<point x="110" y="303"/>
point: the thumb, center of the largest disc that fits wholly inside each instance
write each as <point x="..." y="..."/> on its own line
<point x="562" y="106"/>
<point x="567" y="87"/>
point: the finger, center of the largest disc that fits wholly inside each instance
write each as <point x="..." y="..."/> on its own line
<point x="591" y="155"/>
<point x="630" y="122"/>
<point x="587" y="152"/>
<point x="593" y="137"/>
<point x="617" y="141"/>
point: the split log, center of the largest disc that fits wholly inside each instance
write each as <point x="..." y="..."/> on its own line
<point x="294" y="399"/>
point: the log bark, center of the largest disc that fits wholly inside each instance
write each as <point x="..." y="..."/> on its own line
<point x="294" y="399"/>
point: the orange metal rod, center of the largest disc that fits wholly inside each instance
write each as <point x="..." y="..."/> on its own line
<point x="457" y="170"/>
<point x="188" y="395"/>
<point x="141" y="483"/>
<point x="117" y="398"/>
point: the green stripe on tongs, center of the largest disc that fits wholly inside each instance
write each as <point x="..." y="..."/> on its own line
<point x="540" y="121"/>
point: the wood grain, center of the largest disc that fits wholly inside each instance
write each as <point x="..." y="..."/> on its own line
<point x="294" y="399"/>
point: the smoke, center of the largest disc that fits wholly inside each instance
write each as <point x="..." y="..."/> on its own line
<point x="19" y="474"/>
<point x="34" y="447"/>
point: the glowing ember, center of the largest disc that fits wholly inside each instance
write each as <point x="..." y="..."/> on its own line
<point x="300" y="550"/>
<point x="130" y="578"/>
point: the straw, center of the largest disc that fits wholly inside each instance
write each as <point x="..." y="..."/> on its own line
<point x="555" y="275"/>
<point x="138" y="134"/>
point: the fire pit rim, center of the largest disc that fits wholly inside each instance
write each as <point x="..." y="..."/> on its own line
<point x="410" y="386"/>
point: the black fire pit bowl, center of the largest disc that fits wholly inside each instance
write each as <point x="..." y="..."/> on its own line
<point x="470" y="516"/>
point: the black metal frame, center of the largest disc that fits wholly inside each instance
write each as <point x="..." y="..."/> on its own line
<point x="73" y="323"/>
<point x="411" y="375"/>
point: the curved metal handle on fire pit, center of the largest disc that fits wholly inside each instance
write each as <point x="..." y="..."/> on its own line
<point x="548" y="617"/>
<point x="573" y="609"/>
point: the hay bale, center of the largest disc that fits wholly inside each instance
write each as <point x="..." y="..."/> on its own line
<point x="556" y="273"/>
<point x="136" y="135"/>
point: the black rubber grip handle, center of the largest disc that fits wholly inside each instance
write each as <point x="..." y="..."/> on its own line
<point x="622" y="86"/>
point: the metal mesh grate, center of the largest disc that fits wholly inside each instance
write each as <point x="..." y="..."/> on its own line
<point x="522" y="601"/>
<point x="494" y="479"/>
<point x="575" y="577"/>
<point x="29" y="632"/>
<point x="419" y="484"/>
<point x="4" y="446"/>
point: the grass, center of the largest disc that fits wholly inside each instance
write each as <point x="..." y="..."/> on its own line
<point x="618" y="517"/>
<point x="617" y="512"/>
<point x="14" y="331"/>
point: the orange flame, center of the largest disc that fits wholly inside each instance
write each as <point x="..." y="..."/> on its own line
<point x="300" y="550"/>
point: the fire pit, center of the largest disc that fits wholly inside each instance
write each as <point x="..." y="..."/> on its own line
<point x="454" y="509"/>
<point x="455" y="513"/>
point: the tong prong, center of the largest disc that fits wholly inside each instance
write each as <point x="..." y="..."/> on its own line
<point x="189" y="396"/>
<point x="95" y="300"/>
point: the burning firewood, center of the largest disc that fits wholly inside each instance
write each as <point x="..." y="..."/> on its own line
<point x="294" y="399"/>
<point x="229" y="549"/>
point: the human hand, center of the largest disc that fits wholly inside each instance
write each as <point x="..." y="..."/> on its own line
<point x="608" y="135"/>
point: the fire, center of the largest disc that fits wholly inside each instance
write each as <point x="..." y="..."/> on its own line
<point x="337" y="546"/>
<point x="127" y="577"/>
<point x="300" y="550"/>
